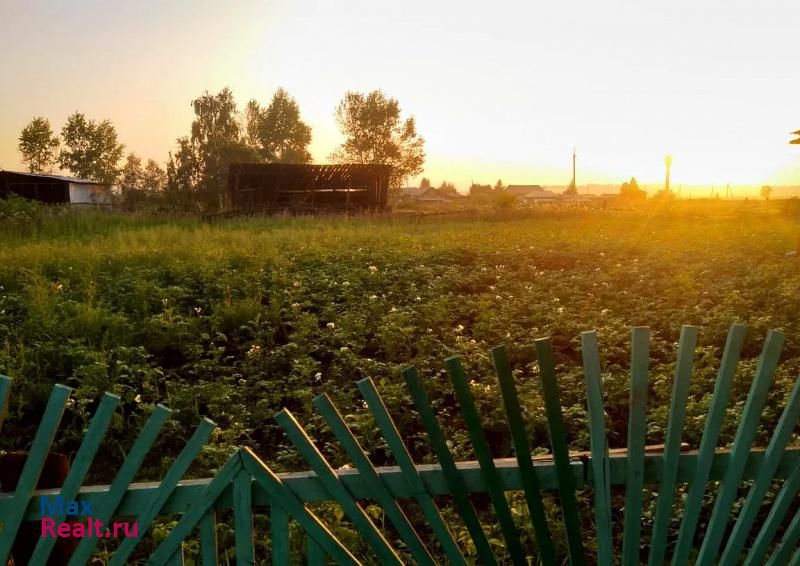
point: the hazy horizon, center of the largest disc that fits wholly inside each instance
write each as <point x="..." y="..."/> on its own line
<point x="502" y="92"/>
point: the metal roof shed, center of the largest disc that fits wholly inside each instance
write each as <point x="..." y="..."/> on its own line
<point x="54" y="189"/>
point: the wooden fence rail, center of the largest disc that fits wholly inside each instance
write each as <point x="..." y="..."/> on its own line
<point x="754" y="517"/>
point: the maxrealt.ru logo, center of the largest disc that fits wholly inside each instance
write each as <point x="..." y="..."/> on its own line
<point x="65" y="519"/>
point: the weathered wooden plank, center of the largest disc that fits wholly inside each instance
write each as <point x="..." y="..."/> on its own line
<point x="311" y="490"/>
<point x="788" y="544"/>
<point x="33" y="468"/>
<point x="178" y="469"/>
<point x="80" y="465"/>
<point x="177" y="558"/>
<point x="455" y="482"/>
<point x="339" y="493"/>
<point x="637" y="430"/>
<point x="742" y="443"/>
<point x="201" y="505"/>
<point x="410" y="473"/>
<point x="484" y="455"/>
<point x="708" y="443"/>
<point x="125" y="475"/>
<point x="516" y="425"/>
<point x="357" y="455"/>
<point x="316" y="555"/>
<point x="279" y="535"/>
<point x="752" y="505"/>
<point x="288" y="499"/>
<point x="778" y="511"/>
<point x="599" y="447"/>
<point x="558" y="444"/>
<point x="672" y="444"/>
<point x="243" y="518"/>
<point x="208" y="539"/>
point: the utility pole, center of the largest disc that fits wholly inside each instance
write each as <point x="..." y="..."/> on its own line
<point x="668" y="163"/>
<point x="574" y="179"/>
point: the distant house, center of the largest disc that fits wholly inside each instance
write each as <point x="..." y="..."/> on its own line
<point x="426" y="194"/>
<point x="579" y="198"/>
<point x="531" y="193"/>
<point x="54" y="189"/>
<point x="522" y="190"/>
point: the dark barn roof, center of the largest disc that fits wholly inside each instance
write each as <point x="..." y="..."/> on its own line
<point x="277" y="186"/>
<point x="44" y="188"/>
<point x="51" y="189"/>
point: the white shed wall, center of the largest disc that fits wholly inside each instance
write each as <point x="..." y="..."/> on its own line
<point x="89" y="194"/>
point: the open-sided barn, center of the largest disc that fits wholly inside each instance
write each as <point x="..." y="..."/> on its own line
<point x="297" y="187"/>
<point x="54" y="189"/>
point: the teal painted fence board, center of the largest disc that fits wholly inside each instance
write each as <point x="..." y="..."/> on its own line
<point x="708" y="443"/>
<point x="208" y="539"/>
<point x="246" y="486"/>
<point x="357" y="455"/>
<point x="33" y="467"/>
<point x="351" y="508"/>
<point x="80" y="466"/>
<point x="410" y="473"/>
<point x="755" y="497"/>
<point x="672" y="444"/>
<point x="558" y="444"/>
<point x="279" y="534"/>
<point x="484" y="455"/>
<point x="454" y="481"/>
<point x="748" y="423"/>
<point x="124" y="477"/>
<point x="599" y="447"/>
<point x="516" y="425"/>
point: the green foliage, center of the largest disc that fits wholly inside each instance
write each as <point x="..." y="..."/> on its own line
<point x="141" y="186"/>
<point x="237" y="320"/>
<point x="197" y="172"/>
<point x="38" y="146"/>
<point x="91" y="150"/>
<point x="277" y="131"/>
<point x="375" y="133"/>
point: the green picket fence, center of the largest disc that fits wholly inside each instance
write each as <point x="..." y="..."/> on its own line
<point x="766" y="528"/>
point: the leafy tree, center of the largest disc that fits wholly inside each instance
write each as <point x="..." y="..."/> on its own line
<point x="131" y="174"/>
<point x="154" y="178"/>
<point x="183" y="173"/>
<point x="499" y="186"/>
<point x="91" y="149"/>
<point x="215" y="143"/>
<point x="38" y="146"/>
<point x="252" y="123"/>
<point x="140" y="185"/>
<point x="766" y="192"/>
<point x="375" y="133"/>
<point x="277" y="132"/>
<point x="425" y="183"/>
<point x="131" y="181"/>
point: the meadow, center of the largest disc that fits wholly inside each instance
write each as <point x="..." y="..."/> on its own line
<point x="237" y="319"/>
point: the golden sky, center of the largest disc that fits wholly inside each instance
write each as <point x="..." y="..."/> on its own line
<point x="499" y="89"/>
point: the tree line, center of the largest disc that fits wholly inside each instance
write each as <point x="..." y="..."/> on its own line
<point x="195" y="174"/>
